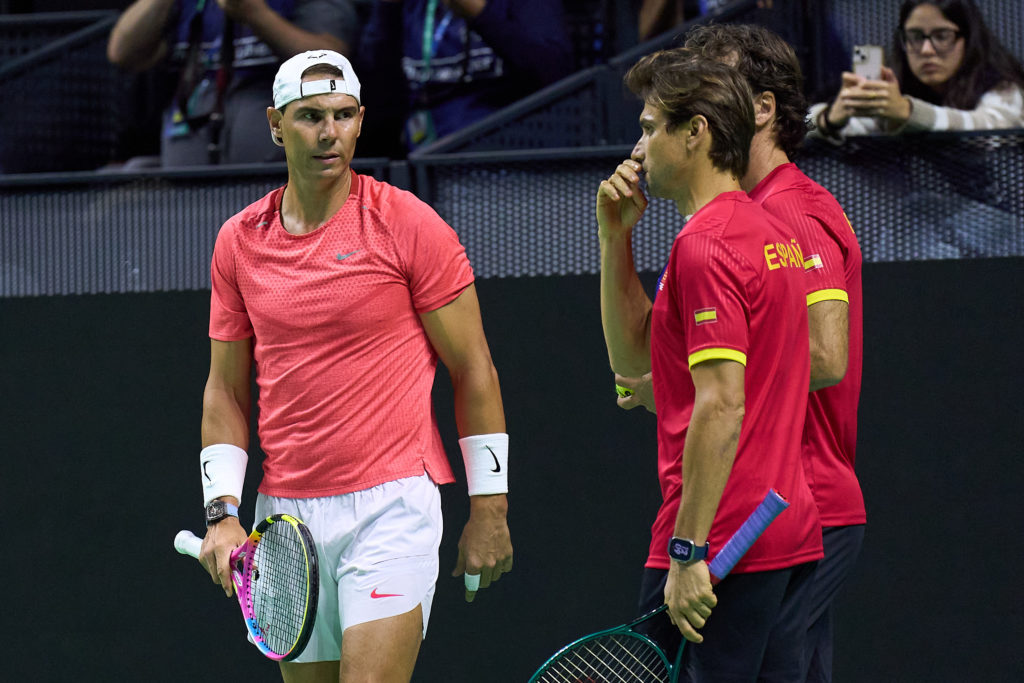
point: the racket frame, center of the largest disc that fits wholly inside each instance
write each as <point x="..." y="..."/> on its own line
<point x="623" y="630"/>
<point x="719" y="567"/>
<point x="243" y="570"/>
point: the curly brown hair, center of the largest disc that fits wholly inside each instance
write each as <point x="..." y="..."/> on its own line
<point x="769" y="64"/>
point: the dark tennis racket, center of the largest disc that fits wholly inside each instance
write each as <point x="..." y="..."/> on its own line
<point x="621" y="654"/>
<point x="277" y="583"/>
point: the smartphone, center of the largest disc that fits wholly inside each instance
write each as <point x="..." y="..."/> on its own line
<point x="867" y="61"/>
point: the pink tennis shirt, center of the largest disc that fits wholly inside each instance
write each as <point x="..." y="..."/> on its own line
<point x="734" y="290"/>
<point x="832" y="261"/>
<point x="343" y="364"/>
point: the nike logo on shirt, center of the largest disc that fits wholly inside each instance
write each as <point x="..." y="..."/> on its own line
<point x="375" y="595"/>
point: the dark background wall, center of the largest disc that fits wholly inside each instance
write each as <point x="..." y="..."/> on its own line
<point x="101" y="405"/>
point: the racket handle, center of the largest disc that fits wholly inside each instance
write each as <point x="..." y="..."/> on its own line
<point x="187" y="543"/>
<point x="745" y="536"/>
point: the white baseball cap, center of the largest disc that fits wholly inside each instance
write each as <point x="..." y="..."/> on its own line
<point x="288" y="85"/>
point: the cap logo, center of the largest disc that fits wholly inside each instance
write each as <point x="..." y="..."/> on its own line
<point x="288" y="84"/>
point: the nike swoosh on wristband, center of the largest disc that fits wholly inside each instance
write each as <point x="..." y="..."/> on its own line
<point x="375" y="595"/>
<point x="497" y="465"/>
<point x="205" y="473"/>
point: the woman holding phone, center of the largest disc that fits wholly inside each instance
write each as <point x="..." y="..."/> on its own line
<point x="949" y="73"/>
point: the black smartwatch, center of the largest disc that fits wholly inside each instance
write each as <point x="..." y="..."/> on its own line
<point x="218" y="510"/>
<point x="685" y="551"/>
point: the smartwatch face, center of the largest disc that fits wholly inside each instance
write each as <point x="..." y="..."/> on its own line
<point x="685" y="551"/>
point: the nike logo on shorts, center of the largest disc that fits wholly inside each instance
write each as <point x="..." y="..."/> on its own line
<point x="375" y="595"/>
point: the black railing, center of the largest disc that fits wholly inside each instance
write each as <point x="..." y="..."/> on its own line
<point x="520" y="213"/>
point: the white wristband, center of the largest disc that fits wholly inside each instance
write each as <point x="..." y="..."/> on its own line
<point x="486" y="460"/>
<point x="222" y="468"/>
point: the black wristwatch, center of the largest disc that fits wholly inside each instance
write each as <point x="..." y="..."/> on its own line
<point x="685" y="551"/>
<point x="218" y="510"/>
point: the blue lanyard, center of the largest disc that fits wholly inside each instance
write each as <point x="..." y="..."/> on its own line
<point x="431" y="36"/>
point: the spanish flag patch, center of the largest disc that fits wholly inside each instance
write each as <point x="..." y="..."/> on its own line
<point x="705" y="315"/>
<point x="813" y="262"/>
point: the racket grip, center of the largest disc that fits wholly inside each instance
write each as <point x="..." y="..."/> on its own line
<point x="187" y="543"/>
<point x="745" y="536"/>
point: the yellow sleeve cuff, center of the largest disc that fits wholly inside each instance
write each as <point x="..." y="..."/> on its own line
<point x="827" y="295"/>
<point x="717" y="354"/>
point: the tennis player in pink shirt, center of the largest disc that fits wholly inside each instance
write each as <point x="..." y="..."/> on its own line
<point x="343" y="292"/>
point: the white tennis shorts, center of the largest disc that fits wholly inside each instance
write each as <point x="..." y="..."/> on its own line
<point x="378" y="555"/>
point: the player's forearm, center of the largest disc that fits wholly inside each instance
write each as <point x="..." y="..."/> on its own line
<point x="477" y="396"/>
<point x="225" y="416"/>
<point x="137" y="40"/>
<point x="708" y="455"/>
<point x="625" y="309"/>
<point x="287" y="39"/>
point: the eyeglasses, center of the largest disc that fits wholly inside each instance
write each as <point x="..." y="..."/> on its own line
<point x="942" y="39"/>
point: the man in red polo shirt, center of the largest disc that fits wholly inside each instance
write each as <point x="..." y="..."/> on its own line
<point x="833" y="267"/>
<point x="727" y="341"/>
<point x="832" y="261"/>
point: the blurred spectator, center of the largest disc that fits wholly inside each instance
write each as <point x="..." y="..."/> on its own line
<point x="807" y="25"/>
<point x="459" y="60"/>
<point x="216" y="113"/>
<point x="657" y="16"/>
<point x="950" y="73"/>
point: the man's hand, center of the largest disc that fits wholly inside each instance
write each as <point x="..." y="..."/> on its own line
<point x="485" y="548"/>
<point x="689" y="598"/>
<point x="467" y="9"/>
<point x="642" y="389"/>
<point x="620" y="201"/>
<point x="221" y="540"/>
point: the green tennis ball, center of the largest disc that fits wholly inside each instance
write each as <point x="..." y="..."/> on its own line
<point x="622" y="391"/>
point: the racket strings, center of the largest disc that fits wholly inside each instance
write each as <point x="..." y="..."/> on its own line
<point x="614" y="658"/>
<point x="280" y="587"/>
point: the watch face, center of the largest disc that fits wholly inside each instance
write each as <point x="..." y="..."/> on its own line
<point x="680" y="550"/>
<point x="215" y="510"/>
